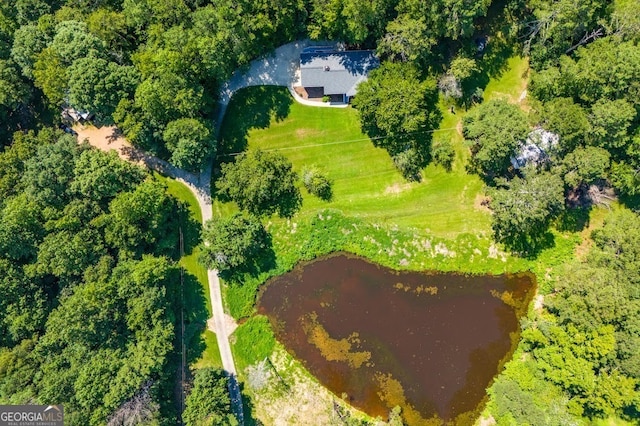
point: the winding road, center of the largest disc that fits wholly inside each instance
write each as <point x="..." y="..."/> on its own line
<point x="276" y="69"/>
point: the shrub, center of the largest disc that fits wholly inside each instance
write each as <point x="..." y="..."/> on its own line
<point x="409" y="163"/>
<point x="317" y="184"/>
<point x="443" y="153"/>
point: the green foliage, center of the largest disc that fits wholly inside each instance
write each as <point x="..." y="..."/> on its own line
<point x="568" y="120"/>
<point x="494" y="130"/>
<point x="97" y="85"/>
<point x="190" y="142"/>
<point x="236" y="245"/>
<point x="397" y="108"/>
<point x="208" y="403"/>
<point x="100" y="176"/>
<point x="610" y="122"/>
<point x="274" y="192"/>
<point x="254" y="341"/>
<point x="443" y="153"/>
<point x="625" y="178"/>
<point x="29" y="41"/>
<point x="523" y="209"/>
<point x="352" y="21"/>
<point x="20" y="228"/>
<point x="22" y="305"/>
<point x="409" y="163"/>
<point x="48" y="174"/>
<point x="12" y="159"/>
<point x="558" y="28"/>
<point x="72" y="41"/>
<point x="317" y="183"/>
<point x="93" y="361"/>
<point x="584" y="166"/>
<point x="142" y="221"/>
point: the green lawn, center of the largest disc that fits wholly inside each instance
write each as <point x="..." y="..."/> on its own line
<point x="512" y="81"/>
<point x="365" y="182"/>
<point x="211" y="355"/>
<point x="182" y="193"/>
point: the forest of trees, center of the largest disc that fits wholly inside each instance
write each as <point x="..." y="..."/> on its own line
<point x="88" y="280"/>
<point x="88" y="243"/>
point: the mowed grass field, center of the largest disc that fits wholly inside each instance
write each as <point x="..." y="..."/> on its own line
<point x="365" y="181"/>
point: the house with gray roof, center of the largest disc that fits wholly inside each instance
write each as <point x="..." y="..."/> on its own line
<point x="329" y="72"/>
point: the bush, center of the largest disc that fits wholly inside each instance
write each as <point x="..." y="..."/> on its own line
<point x="254" y="341"/>
<point x="443" y="154"/>
<point x="317" y="184"/>
<point x="409" y="163"/>
<point x="326" y="98"/>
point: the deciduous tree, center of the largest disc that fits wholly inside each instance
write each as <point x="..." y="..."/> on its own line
<point x="274" y="191"/>
<point x="523" y="208"/>
<point x="209" y="402"/>
<point x="236" y="245"/>
<point x="494" y="131"/>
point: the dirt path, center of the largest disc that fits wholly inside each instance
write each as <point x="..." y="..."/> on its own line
<point x="108" y="138"/>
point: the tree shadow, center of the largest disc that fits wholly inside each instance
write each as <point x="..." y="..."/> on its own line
<point x="251" y="108"/>
<point x="630" y="201"/>
<point x="530" y="246"/>
<point x="195" y="316"/>
<point x="191" y="229"/>
<point x="248" y="408"/>
<point x="573" y="219"/>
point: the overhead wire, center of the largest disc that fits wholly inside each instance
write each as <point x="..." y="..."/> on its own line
<point x="233" y="154"/>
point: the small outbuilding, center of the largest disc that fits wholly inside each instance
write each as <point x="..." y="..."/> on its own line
<point x="325" y="71"/>
<point x="535" y="149"/>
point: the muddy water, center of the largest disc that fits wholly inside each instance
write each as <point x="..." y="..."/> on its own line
<point x="427" y="342"/>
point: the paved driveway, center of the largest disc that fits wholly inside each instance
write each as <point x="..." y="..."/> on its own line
<point x="276" y="69"/>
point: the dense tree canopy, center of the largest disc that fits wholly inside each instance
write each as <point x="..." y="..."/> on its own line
<point x="523" y="209"/>
<point x="87" y="284"/>
<point x="274" y="192"/>
<point x="494" y="131"/>
<point x="398" y="111"/>
<point x="209" y="403"/>
<point x="87" y="290"/>
<point x="236" y="245"/>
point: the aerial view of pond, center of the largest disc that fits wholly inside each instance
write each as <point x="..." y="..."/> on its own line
<point x="428" y="342"/>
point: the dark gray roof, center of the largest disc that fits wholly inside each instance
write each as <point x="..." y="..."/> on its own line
<point x="337" y="72"/>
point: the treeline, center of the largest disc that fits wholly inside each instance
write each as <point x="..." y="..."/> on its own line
<point x="154" y="68"/>
<point x="151" y="67"/>
<point x="582" y="358"/>
<point x="89" y="286"/>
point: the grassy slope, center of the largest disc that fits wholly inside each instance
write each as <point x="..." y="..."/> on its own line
<point x="366" y="184"/>
<point x="442" y="209"/>
<point x="204" y="345"/>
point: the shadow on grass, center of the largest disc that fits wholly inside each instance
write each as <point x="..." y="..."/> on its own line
<point x="251" y="108"/>
<point x="631" y="201"/>
<point x="248" y="408"/>
<point x="195" y="317"/>
<point x="573" y="219"/>
<point x="191" y="229"/>
<point x="530" y="246"/>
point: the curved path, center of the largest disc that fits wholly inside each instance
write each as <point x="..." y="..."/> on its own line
<point x="108" y="138"/>
<point x="277" y="69"/>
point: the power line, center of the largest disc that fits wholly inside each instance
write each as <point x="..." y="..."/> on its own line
<point x="233" y="154"/>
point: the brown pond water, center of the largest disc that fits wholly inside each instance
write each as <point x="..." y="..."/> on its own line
<point x="428" y="342"/>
